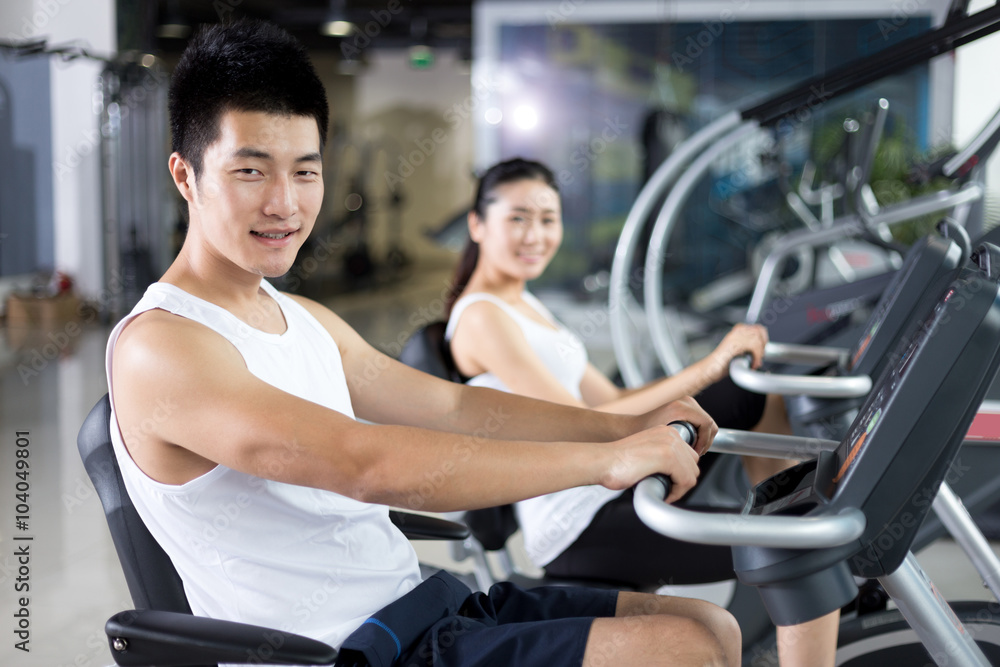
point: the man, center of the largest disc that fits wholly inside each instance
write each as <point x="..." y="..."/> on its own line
<point x="236" y="431"/>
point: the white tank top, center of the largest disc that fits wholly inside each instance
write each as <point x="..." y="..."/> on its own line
<point x="549" y="523"/>
<point x="262" y="552"/>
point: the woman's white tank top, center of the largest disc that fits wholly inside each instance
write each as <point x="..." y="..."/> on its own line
<point x="552" y="522"/>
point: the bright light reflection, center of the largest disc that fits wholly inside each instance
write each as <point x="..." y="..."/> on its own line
<point x="525" y="117"/>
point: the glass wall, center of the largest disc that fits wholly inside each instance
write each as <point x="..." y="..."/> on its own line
<point x="604" y="103"/>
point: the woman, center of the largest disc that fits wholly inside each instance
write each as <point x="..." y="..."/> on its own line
<point x="503" y="337"/>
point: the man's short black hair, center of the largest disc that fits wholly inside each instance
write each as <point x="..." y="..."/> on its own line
<point x="244" y="65"/>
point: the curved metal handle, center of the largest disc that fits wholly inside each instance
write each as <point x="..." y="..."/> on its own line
<point x="815" y="355"/>
<point x="860" y="174"/>
<point x="620" y="289"/>
<point x="769" y="445"/>
<point x="950" y="229"/>
<point x="790" y="532"/>
<point x="809" y="385"/>
<point x="987" y="256"/>
<point x="659" y="327"/>
<point x="982" y="138"/>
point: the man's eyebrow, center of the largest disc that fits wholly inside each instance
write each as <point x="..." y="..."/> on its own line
<point x="249" y="152"/>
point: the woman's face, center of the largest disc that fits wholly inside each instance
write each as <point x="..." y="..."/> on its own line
<point x="522" y="229"/>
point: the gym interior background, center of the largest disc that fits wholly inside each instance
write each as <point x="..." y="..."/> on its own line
<point x="422" y="95"/>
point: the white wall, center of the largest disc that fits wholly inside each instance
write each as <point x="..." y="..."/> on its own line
<point x="75" y="142"/>
<point x="421" y="121"/>
<point x="977" y="97"/>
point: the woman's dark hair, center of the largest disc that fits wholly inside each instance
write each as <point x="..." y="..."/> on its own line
<point x="509" y="171"/>
<point x="244" y="65"/>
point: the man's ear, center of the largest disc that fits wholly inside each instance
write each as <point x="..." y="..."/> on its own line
<point x="475" y="227"/>
<point x="183" y="175"/>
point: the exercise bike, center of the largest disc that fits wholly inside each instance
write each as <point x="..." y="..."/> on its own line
<point x="855" y="507"/>
<point x="675" y="179"/>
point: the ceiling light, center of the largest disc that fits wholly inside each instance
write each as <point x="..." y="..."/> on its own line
<point x="525" y="117"/>
<point x="337" y="28"/>
<point x="336" y="24"/>
<point x="173" y="26"/>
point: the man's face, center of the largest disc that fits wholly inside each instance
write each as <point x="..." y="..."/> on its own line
<point x="259" y="191"/>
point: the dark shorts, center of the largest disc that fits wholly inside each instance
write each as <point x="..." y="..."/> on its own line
<point x="618" y="547"/>
<point x="732" y="406"/>
<point x="442" y="624"/>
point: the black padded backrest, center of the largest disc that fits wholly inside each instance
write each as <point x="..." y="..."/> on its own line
<point x="151" y="577"/>
<point x="427" y="351"/>
<point x="492" y="526"/>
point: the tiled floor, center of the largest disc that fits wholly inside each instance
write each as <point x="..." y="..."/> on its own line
<point x="75" y="580"/>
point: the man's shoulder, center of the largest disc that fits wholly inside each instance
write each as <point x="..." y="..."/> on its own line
<point x="164" y="334"/>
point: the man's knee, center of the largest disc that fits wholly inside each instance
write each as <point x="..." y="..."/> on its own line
<point x="656" y="640"/>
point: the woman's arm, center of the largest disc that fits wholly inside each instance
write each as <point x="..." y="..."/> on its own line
<point x="488" y="340"/>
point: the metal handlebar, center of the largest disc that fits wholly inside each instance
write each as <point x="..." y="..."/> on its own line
<point x="741" y="529"/>
<point x="689" y="435"/>
<point x="810" y="385"/>
<point x="987" y="256"/>
<point x="769" y="445"/>
<point x="622" y="278"/>
<point x="816" y="355"/>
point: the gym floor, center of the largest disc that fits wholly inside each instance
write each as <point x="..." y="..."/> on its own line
<point x="74" y="577"/>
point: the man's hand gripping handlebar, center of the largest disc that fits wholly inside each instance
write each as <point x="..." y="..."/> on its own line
<point x="669" y="451"/>
<point x="689" y="435"/>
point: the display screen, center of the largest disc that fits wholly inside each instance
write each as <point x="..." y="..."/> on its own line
<point x="852" y="448"/>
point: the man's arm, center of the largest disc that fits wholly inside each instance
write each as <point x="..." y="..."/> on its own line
<point x="388" y="392"/>
<point x="186" y="401"/>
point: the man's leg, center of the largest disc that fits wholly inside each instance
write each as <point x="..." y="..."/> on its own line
<point x="655" y="630"/>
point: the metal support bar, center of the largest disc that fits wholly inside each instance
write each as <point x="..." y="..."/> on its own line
<point x="944" y="636"/>
<point x="955" y="517"/>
